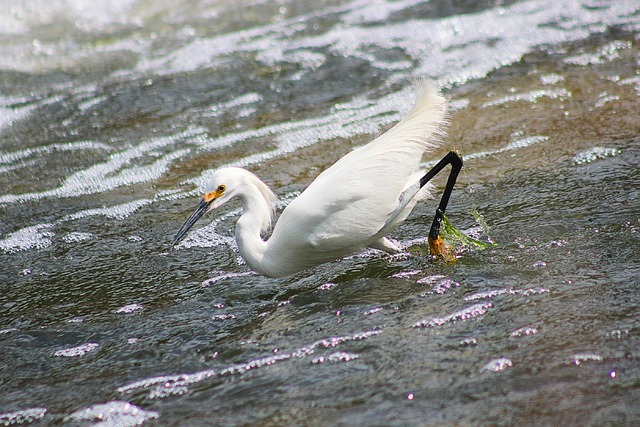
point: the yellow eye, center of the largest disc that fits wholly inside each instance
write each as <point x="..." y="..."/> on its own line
<point x="221" y="188"/>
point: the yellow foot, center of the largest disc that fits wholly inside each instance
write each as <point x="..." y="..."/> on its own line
<point x="438" y="247"/>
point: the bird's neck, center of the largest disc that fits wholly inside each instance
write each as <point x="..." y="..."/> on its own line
<point x="251" y="245"/>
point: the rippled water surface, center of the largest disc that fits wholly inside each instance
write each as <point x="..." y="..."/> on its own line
<point x="113" y="114"/>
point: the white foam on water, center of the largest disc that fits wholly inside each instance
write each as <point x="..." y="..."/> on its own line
<point x="238" y="101"/>
<point x="344" y="123"/>
<point x="298" y="134"/>
<point x="119" y="171"/>
<point x="22" y="19"/>
<point x="473" y="311"/>
<point x="371" y="11"/>
<point x="593" y="154"/>
<point x="531" y="97"/>
<point x="604" y="99"/>
<point x="512" y="146"/>
<point x="10" y="115"/>
<point x="129" y="308"/>
<point x="91" y="102"/>
<point x="498" y="365"/>
<point x="40" y="236"/>
<point x="112" y="414"/>
<point x="20" y="165"/>
<point x="551" y="79"/>
<point x="23" y="14"/>
<point x="19" y="156"/>
<point x="524" y="142"/>
<point x="306" y="59"/>
<point x="33" y="237"/>
<point x="170" y="385"/>
<point x="451" y="50"/>
<point x="339" y="356"/>
<point x="449" y="34"/>
<point x="454" y="49"/>
<point x="524" y="332"/>
<point x="580" y="358"/>
<point x="496" y="292"/>
<point x="77" y="237"/>
<point x="440" y="285"/>
<point x="223" y="276"/>
<point x="603" y="55"/>
<point x="458" y="104"/>
<point x="632" y="81"/>
<point x="78" y="351"/>
<point x="118" y="212"/>
<point x="23" y="416"/>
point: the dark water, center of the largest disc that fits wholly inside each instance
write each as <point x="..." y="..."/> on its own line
<point x="112" y="114"/>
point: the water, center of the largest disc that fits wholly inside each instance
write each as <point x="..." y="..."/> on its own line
<point x="112" y="114"/>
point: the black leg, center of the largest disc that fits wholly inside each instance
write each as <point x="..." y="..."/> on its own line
<point x="455" y="161"/>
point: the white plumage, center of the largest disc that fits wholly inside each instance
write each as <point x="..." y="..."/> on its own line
<point x="351" y="205"/>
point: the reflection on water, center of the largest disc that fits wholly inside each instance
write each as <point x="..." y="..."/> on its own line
<point x="113" y="114"/>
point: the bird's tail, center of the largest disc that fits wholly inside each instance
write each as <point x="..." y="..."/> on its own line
<point x="424" y="125"/>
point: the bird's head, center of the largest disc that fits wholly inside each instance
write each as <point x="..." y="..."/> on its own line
<point x="224" y="185"/>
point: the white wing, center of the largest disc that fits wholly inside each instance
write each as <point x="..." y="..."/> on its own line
<point x="353" y="200"/>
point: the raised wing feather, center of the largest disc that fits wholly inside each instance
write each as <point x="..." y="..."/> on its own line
<point x="347" y="204"/>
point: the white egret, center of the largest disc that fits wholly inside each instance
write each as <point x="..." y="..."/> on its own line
<point x="352" y="205"/>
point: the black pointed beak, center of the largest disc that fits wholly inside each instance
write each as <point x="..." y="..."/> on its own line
<point x="202" y="209"/>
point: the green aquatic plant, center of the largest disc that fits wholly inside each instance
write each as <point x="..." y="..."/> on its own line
<point x="451" y="242"/>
